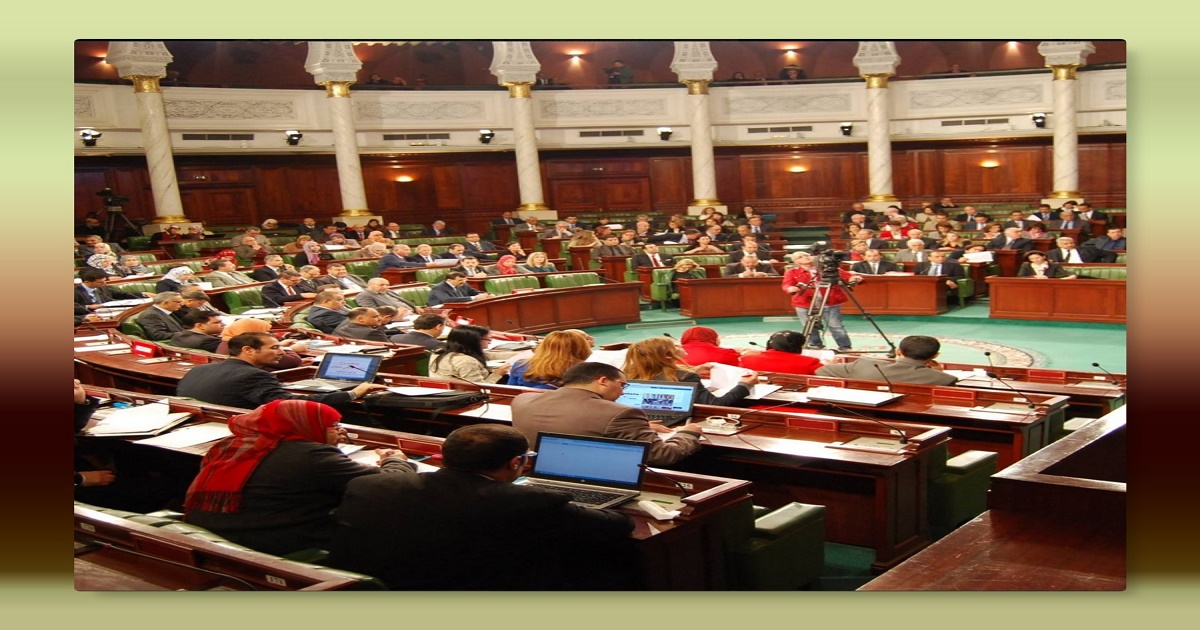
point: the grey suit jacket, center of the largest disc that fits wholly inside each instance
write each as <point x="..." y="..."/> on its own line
<point x="581" y="412"/>
<point x="904" y="370"/>
<point x="906" y="255"/>
<point x="230" y="279"/>
<point x="371" y="299"/>
<point x="159" y="326"/>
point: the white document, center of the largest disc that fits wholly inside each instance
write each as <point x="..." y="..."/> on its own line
<point x="262" y="311"/>
<point x="368" y="457"/>
<point x="350" y="348"/>
<point x="491" y="411"/>
<point x="137" y="419"/>
<point x="190" y="436"/>
<point x="847" y="396"/>
<point x="762" y="390"/>
<point x="978" y="257"/>
<point x="799" y="397"/>
<point x="205" y="286"/>
<point x="105" y="346"/>
<point x="417" y="391"/>
<point x="128" y="302"/>
<point x="615" y="358"/>
<point x="723" y="378"/>
<point x="100" y="337"/>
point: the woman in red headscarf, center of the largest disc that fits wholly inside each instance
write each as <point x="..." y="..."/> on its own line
<point x="702" y="345"/>
<point x="506" y="266"/>
<point x="272" y="485"/>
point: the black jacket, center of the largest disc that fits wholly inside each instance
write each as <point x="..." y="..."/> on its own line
<point x="235" y="383"/>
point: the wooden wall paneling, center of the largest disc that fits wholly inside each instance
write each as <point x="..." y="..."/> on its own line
<point x="135" y="184"/>
<point x="489" y="186"/>
<point x="221" y="204"/>
<point x="416" y="201"/>
<point x="575" y="194"/>
<point x="671" y="183"/>
<point x="314" y="190"/>
<point x="926" y="174"/>
<point x="627" y="193"/>
<point x="379" y="181"/>
<point x="1095" y="168"/>
<point x="447" y="185"/>
<point x="87" y="184"/>
<point x="272" y="196"/>
<point x="729" y="184"/>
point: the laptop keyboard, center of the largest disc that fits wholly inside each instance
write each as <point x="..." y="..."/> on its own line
<point x="584" y="497"/>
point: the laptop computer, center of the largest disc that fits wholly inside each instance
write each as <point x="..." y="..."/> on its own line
<point x="598" y="472"/>
<point x="665" y="401"/>
<point x="340" y="372"/>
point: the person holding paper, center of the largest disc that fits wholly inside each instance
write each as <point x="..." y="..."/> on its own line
<point x="915" y="363"/>
<point x="659" y="359"/>
<point x="272" y="485"/>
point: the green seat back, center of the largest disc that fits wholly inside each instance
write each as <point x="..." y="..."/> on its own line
<point x="242" y="300"/>
<point x="1101" y="273"/>
<point x="889" y="255"/>
<point x="671" y="250"/>
<point x="300" y="321"/>
<point x="132" y="328"/>
<point x="136" y="287"/>
<point x="190" y="249"/>
<point x="145" y="257"/>
<point x="281" y="240"/>
<point x="343" y="254"/>
<point x="660" y="284"/>
<point x="1121" y="258"/>
<point x="432" y="276"/>
<point x="710" y="259"/>
<point x="504" y="286"/>
<point x="161" y="268"/>
<point x="137" y="243"/>
<point x="563" y="280"/>
<point x="417" y="295"/>
<point x="363" y="268"/>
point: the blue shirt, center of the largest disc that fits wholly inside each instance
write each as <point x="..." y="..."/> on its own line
<point x="517" y="372"/>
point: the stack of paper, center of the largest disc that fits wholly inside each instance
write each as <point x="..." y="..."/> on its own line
<point x="150" y="419"/>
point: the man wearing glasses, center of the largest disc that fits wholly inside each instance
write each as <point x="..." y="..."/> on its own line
<point x="584" y="405"/>
<point x="467" y="527"/>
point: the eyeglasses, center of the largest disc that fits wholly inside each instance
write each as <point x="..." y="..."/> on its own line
<point x="529" y="454"/>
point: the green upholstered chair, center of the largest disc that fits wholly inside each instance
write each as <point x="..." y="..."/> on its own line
<point x="362" y="268"/>
<point x="189" y="249"/>
<point x="889" y="255"/>
<point x="145" y="257"/>
<point x="137" y="287"/>
<point x="161" y="268"/>
<point x="432" y="276"/>
<point x="300" y="320"/>
<point x="417" y="295"/>
<point x="1099" y="273"/>
<point x="660" y="285"/>
<point x="1121" y="258"/>
<point x="504" y="286"/>
<point x="132" y="328"/>
<point x="631" y="271"/>
<point x="137" y="243"/>
<point x="958" y="488"/>
<point x="281" y="240"/>
<point x="672" y="250"/>
<point x="343" y="254"/>
<point x="710" y="259"/>
<point x="784" y="549"/>
<point x="243" y="299"/>
<point x="563" y="280"/>
<point x="169" y="521"/>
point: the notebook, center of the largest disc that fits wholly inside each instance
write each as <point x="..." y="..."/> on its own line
<point x="665" y="401"/>
<point x="598" y="472"/>
<point x="340" y="372"/>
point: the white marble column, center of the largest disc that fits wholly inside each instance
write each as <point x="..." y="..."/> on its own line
<point x="335" y="66"/>
<point x="1064" y="58"/>
<point x="345" y="147"/>
<point x="529" y="171"/>
<point x="159" y="158"/>
<point x="704" y="175"/>
<point x="144" y="63"/>
<point x="879" y="140"/>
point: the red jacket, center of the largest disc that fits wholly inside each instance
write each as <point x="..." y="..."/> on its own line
<point x="703" y="352"/>
<point x="803" y="299"/>
<point x="780" y="361"/>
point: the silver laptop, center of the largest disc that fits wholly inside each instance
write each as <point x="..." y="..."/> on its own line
<point x="665" y="401"/>
<point x="340" y="372"/>
<point x="597" y="472"/>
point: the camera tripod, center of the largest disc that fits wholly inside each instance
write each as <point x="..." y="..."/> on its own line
<point x="114" y="215"/>
<point x="813" y="324"/>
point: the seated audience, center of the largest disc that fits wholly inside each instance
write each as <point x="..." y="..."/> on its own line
<point x="274" y="484"/>
<point x="378" y="294"/>
<point x="361" y="323"/>
<point x="328" y="310"/>
<point x="225" y="274"/>
<point x="750" y="267"/>
<point x="158" y="321"/>
<point x="310" y="253"/>
<point x="462" y="357"/>
<point x="104" y="262"/>
<point x="131" y="266"/>
<point x="453" y="288"/>
<point x="659" y="359"/>
<point x="203" y="331"/>
<point x="426" y="332"/>
<point x="469" y="266"/>
<point x="1036" y="266"/>
<point x="704" y="245"/>
<point x="399" y="258"/>
<point x="874" y="264"/>
<point x="505" y="266"/>
<point x="343" y="279"/>
<point x="174" y="278"/>
<point x="537" y="262"/>
<point x="283" y="290"/>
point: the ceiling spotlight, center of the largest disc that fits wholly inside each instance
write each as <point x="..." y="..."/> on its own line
<point x="293" y="137"/>
<point x="486" y="135"/>
<point x="664" y="133"/>
<point x="89" y="137"/>
<point x="1039" y="120"/>
<point x="847" y="128"/>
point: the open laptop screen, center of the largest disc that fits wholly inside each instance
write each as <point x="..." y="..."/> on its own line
<point x="659" y="396"/>
<point x="593" y="460"/>
<point x="349" y="367"/>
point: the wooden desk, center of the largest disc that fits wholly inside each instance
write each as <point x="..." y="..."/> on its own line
<point x="1091" y="394"/>
<point x="880" y="295"/>
<point x="684" y="554"/>
<point x="873" y="498"/>
<point x="1079" y="300"/>
<point x="1056" y="522"/>
<point x="545" y="310"/>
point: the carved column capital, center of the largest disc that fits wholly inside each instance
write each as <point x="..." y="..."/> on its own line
<point x="877" y="81"/>
<point x="331" y="62"/>
<point x="514" y="63"/>
<point x="142" y="84"/>
<point x="1065" y="57"/>
<point x="519" y="89"/>
<point x="696" y="86"/>
<point x="693" y="61"/>
<point x="876" y="59"/>
<point x="1065" y="72"/>
<point x="139" y="59"/>
<point x="337" y="89"/>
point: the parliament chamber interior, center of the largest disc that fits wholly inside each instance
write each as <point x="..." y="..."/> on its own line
<point x="895" y="272"/>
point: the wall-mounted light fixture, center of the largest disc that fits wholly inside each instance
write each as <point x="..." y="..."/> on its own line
<point x="798" y="169"/>
<point x="847" y="128"/>
<point x="664" y="133"/>
<point x="1039" y="120"/>
<point x="89" y="137"/>
<point x="292" y="137"/>
<point x="486" y="135"/>
<point x="989" y="164"/>
<point x="404" y="178"/>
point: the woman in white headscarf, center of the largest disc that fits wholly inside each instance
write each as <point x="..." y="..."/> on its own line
<point x="173" y="279"/>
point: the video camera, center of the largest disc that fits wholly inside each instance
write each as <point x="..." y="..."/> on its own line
<point x="112" y="201"/>
<point x="829" y="262"/>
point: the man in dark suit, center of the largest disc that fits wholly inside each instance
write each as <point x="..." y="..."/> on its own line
<point x="398" y="258"/>
<point x="361" y="323"/>
<point x="1011" y="239"/>
<point x="392" y="231"/>
<point x="873" y="241"/>
<point x="93" y="290"/>
<point x="561" y="230"/>
<point x="309" y="227"/>
<point x="377" y="294"/>
<point x="749" y="267"/>
<point x="328" y="310"/>
<point x="758" y="228"/>
<point x="453" y="289"/>
<point x="483" y="250"/>
<point x="424" y="254"/>
<point x="283" y="290"/>
<point x="426" y="332"/>
<point x="203" y="331"/>
<point x="1017" y="219"/>
<point x="158" y="320"/>
<point x="937" y="266"/>
<point x="650" y="257"/>
<point x="343" y="279"/>
<point x="241" y="381"/>
<point x="1107" y="246"/>
<point x="873" y="264"/>
<point x="470" y="528"/>
<point x="968" y="215"/>
<point x="1066" y="252"/>
<point x="1086" y="213"/>
<point x="454" y="251"/>
<point x="272" y="266"/>
<point x="1044" y="213"/>
<point x="857" y="208"/>
<point x="506" y="218"/>
<point x="748" y="247"/>
<point x="530" y="225"/>
<point x="915" y="364"/>
<point x="437" y="228"/>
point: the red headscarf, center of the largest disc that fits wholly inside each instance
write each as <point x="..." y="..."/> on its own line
<point x="507" y="265"/>
<point x="231" y="461"/>
<point x="701" y="334"/>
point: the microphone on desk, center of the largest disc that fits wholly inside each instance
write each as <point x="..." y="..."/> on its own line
<point x="742" y="417"/>
<point x="988" y="356"/>
<point x="684" y="492"/>
<point x="1028" y="402"/>
<point x="1097" y="365"/>
<point x="885" y="378"/>
<point x="668" y="335"/>
<point x="903" y="438"/>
